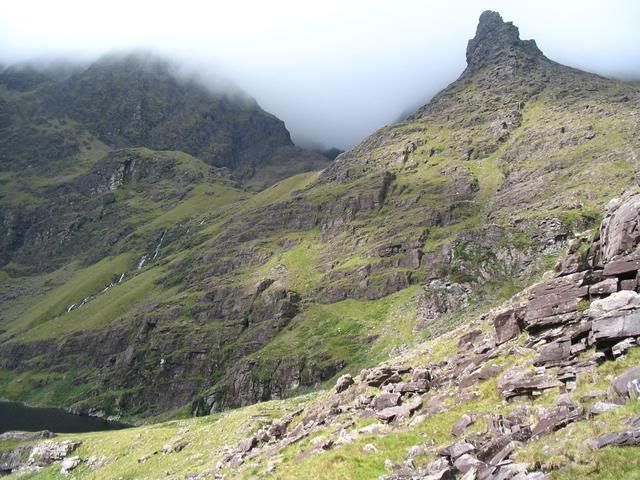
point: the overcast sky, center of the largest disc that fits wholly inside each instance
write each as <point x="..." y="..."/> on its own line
<point x="333" y="70"/>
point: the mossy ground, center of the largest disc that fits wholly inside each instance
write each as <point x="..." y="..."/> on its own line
<point x="565" y="453"/>
<point x="207" y="436"/>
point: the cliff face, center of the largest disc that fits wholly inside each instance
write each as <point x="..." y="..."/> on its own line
<point x="140" y="101"/>
<point x="156" y="264"/>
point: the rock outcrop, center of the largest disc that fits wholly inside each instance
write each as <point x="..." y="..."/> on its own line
<point x="31" y="458"/>
<point x="496" y="39"/>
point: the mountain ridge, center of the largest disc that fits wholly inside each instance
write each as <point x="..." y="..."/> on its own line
<point x="249" y="298"/>
<point x="144" y="100"/>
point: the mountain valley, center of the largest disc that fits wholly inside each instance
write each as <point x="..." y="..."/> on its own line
<point x="454" y="297"/>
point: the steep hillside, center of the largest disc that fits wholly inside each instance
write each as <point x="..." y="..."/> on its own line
<point x="249" y="297"/>
<point x="137" y="100"/>
<point x="62" y="125"/>
<point x="544" y="387"/>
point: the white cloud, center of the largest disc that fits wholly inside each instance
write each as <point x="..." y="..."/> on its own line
<point x="334" y="70"/>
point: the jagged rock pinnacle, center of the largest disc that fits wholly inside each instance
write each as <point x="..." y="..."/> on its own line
<point x="493" y="38"/>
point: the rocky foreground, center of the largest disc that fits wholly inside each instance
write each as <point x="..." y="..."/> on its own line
<point x="546" y="386"/>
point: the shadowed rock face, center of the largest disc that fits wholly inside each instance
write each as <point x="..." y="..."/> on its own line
<point x="138" y="100"/>
<point x="620" y="231"/>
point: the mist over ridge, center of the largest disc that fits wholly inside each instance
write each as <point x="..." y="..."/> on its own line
<point x="334" y="72"/>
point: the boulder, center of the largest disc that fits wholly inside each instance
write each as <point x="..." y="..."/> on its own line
<point x="622" y="347"/>
<point x="248" y="444"/>
<point x="444" y="474"/>
<point x="322" y="443"/>
<point x="418" y="451"/>
<point x="620" y="228"/>
<point x="386" y="400"/>
<point x="623" y="265"/>
<point x="456" y="450"/>
<point x="375" y="377"/>
<point x="601" y="407"/>
<point x="175" y="445"/>
<point x="421" y="374"/>
<point x="627" y="385"/>
<point x="521" y="381"/>
<point x="497" y="449"/>
<point x="344" y="382"/>
<point x="466" y="462"/>
<point x="279" y="427"/>
<point x="554" y="353"/>
<point x="436" y="466"/>
<point x="400" y="412"/>
<point x="69" y="464"/>
<point x="605" y="287"/>
<point x="393" y="413"/>
<point x="472" y="338"/>
<point x="565" y="400"/>
<point x="413" y="403"/>
<point x="625" y="438"/>
<point x="503" y="453"/>
<point x="420" y="386"/>
<point x="461" y="425"/>
<point x="616" y="301"/>
<point x="556" y="418"/>
<point x="616" y="327"/>
<point x="507" y="324"/>
<point x="629" y="284"/>
<point x="486" y="372"/>
<point x="48" y="452"/>
<point x="556" y="301"/>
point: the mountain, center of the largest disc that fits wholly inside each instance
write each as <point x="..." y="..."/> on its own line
<point x="454" y="297"/>
<point x="140" y="278"/>
<point x="139" y="99"/>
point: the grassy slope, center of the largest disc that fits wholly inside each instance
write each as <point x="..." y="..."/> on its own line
<point x="209" y="207"/>
<point x="549" y="166"/>
<point x="85" y="282"/>
<point x="565" y="452"/>
<point x="207" y="437"/>
<point x="46" y="316"/>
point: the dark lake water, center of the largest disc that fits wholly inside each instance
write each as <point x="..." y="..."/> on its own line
<point x="16" y="416"/>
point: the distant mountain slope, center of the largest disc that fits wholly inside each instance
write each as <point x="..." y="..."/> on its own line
<point x="246" y="297"/>
<point x="61" y="124"/>
<point x="138" y="100"/>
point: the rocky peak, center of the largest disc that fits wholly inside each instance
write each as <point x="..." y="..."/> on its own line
<point x="495" y="40"/>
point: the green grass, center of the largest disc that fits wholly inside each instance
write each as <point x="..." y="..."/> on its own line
<point x="103" y="310"/>
<point x="86" y="282"/>
<point x="282" y="191"/>
<point x="207" y="436"/>
<point x="203" y="199"/>
<point x="44" y="388"/>
<point x="296" y="268"/>
<point x="357" y="333"/>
